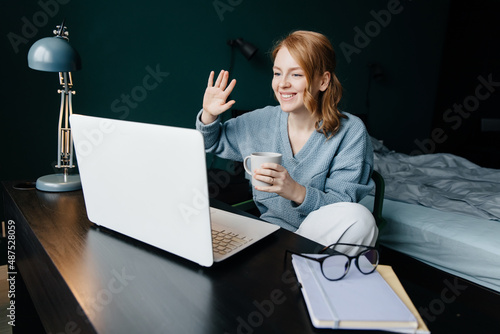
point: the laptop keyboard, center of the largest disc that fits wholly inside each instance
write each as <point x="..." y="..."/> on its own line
<point x="225" y="241"/>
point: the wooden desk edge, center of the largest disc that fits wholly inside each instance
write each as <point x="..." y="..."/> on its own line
<point x="43" y="282"/>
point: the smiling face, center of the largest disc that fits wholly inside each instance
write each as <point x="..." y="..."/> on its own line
<point x="290" y="83"/>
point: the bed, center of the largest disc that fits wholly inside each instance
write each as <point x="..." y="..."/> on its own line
<point x="442" y="210"/>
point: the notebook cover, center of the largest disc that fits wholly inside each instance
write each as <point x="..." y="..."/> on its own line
<point x="355" y="302"/>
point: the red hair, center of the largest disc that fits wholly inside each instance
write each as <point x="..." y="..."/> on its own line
<point x="314" y="53"/>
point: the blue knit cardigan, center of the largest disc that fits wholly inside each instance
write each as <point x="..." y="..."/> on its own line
<point x="333" y="170"/>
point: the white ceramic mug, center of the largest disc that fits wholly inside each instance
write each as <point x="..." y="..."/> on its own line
<point x="256" y="160"/>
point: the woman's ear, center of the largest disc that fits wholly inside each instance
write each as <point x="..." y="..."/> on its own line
<point x="325" y="81"/>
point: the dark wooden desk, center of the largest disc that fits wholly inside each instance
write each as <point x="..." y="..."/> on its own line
<point x="82" y="279"/>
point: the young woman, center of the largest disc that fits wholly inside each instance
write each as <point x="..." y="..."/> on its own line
<point x="327" y="154"/>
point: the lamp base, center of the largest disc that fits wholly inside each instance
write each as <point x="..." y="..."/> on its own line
<point x="59" y="183"/>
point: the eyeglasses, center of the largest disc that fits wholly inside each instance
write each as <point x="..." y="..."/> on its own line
<point x="336" y="264"/>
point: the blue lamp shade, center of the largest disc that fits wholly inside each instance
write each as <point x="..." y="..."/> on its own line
<point x="53" y="54"/>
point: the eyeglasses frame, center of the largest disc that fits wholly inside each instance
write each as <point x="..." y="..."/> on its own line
<point x="322" y="259"/>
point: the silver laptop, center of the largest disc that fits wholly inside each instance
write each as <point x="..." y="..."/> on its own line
<point x="149" y="182"/>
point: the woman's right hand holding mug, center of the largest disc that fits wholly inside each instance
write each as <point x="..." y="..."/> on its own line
<point x="216" y="94"/>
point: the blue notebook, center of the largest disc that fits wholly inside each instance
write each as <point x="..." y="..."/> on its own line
<point x="357" y="301"/>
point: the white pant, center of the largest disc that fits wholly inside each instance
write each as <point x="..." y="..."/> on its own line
<point x="340" y="222"/>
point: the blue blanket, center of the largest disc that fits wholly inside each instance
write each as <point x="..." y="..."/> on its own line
<point x="441" y="181"/>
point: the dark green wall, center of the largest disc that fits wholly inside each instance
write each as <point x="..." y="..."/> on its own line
<point x="119" y="40"/>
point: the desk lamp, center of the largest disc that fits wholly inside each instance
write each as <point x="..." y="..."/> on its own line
<point x="55" y="54"/>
